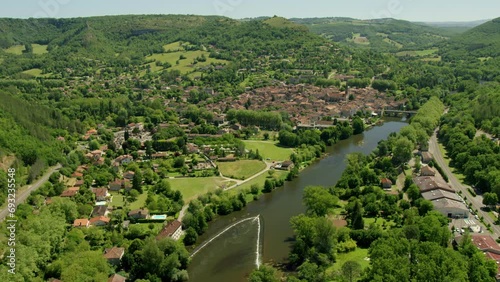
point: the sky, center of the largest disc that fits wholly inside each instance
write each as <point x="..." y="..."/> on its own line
<point x="412" y="10"/>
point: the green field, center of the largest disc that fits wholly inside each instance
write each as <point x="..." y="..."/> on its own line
<point x="437" y="59"/>
<point x="420" y="53"/>
<point x="359" y="255"/>
<point x="392" y="42"/>
<point x="119" y="201"/>
<point x="241" y="169"/>
<point x="191" y="188"/>
<point x="269" y="149"/>
<point x="259" y="180"/>
<point x="16" y="50"/>
<point x="173" y="47"/>
<point x="185" y="65"/>
<point x="35" y="72"/>
<point x="39" y="49"/>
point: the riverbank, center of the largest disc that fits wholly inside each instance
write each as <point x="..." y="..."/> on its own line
<point x="232" y="255"/>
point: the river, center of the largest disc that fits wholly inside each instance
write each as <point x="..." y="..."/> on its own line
<point x="232" y="255"/>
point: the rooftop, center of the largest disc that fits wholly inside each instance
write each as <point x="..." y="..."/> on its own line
<point x="170" y="229"/>
<point x="440" y="194"/>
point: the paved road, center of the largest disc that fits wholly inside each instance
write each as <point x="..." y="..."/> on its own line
<point x="477" y="202"/>
<point x="21" y="197"/>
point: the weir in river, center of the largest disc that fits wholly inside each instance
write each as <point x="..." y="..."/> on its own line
<point x="257" y="248"/>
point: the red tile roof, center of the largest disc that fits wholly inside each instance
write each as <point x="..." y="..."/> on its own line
<point x="114" y="253"/>
<point x="485" y="242"/>
<point x="100" y="192"/>
<point x="81" y="222"/>
<point x="169" y="230"/>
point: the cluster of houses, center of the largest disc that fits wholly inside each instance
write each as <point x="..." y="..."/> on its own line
<point x="307" y="104"/>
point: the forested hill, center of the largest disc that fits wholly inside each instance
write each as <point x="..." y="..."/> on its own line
<point x="128" y="39"/>
<point x="382" y="34"/>
<point x="480" y="42"/>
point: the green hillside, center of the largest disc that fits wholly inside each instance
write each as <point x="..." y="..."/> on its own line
<point x="480" y="42"/>
<point x="382" y="34"/>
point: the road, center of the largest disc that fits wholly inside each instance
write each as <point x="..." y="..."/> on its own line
<point x="22" y="196"/>
<point x="477" y="202"/>
<point x="240" y="182"/>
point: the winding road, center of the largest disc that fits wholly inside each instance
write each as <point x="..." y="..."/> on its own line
<point x="22" y="196"/>
<point x="477" y="202"/>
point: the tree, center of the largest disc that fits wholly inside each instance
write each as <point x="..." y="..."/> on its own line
<point x="351" y="270"/>
<point x="84" y="266"/>
<point x="402" y="150"/>
<point x="93" y="145"/>
<point x="358" y="125"/>
<point x="137" y="181"/>
<point x="266" y="136"/>
<point x="191" y="236"/>
<point x="356" y="216"/>
<point x="490" y="199"/>
<point x="413" y="192"/>
<point x="264" y="274"/>
<point x="268" y="186"/>
<point x="254" y="189"/>
<point x="318" y="200"/>
<point x="179" y="162"/>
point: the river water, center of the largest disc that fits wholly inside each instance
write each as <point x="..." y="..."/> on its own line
<point x="232" y="255"/>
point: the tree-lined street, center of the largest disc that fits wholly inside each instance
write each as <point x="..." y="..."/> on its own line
<point x="477" y="202"/>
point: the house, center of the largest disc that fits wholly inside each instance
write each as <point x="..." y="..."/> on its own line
<point x="451" y="208"/>
<point x="129" y="175"/>
<point x="440" y="194"/>
<point x="427" y="171"/>
<point x="386" y="183"/>
<point x="426" y="157"/>
<point x="286" y="165"/>
<point x="77" y="174"/>
<point x="114" y="255"/>
<point x="100" y="194"/>
<point x="428" y="183"/>
<point x="116" y="278"/>
<point x="117" y="185"/>
<point x="487" y="245"/>
<point x="71" y="192"/>
<point x="159" y="155"/>
<point x="99" y="221"/>
<point x="192" y="148"/>
<point x="236" y="126"/>
<point x="139" y="214"/>
<point x="100" y="211"/>
<point x="81" y="222"/>
<point x="79" y="183"/>
<point x="172" y="230"/>
<point x="124" y="159"/>
<point x="97" y="154"/>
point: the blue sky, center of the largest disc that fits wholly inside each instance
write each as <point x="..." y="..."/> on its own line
<point x="413" y="10"/>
